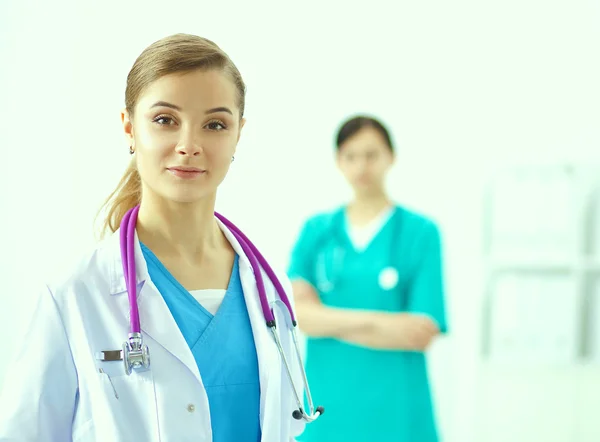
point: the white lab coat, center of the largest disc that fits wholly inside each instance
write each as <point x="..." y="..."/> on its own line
<point x="54" y="390"/>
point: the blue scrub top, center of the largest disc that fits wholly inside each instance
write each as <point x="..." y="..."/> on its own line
<point x="370" y="394"/>
<point x="223" y="347"/>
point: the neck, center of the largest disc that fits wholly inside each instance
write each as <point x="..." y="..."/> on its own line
<point x="374" y="200"/>
<point x="185" y="230"/>
<point x="367" y="206"/>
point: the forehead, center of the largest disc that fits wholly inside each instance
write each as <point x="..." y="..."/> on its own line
<point x="192" y="91"/>
<point x="367" y="139"/>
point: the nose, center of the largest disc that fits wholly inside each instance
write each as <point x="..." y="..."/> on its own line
<point x="361" y="164"/>
<point x="190" y="144"/>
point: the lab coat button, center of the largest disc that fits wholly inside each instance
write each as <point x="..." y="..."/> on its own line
<point x="191" y="408"/>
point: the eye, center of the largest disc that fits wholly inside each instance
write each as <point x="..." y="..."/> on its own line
<point x="216" y="126"/>
<point x="163" y="120"/>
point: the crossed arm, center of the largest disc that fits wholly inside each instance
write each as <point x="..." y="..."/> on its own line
<point x="373" y="329"/>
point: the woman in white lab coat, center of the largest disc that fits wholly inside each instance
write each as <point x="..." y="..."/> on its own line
<point x="215" y="372"/>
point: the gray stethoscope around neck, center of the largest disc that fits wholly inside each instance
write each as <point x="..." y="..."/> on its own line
<point x="135" y="353"/>
<point x="329" y="265"/>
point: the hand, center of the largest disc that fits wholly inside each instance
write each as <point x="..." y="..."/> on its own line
<point x="416" y="330"/>
<point x="394" y="331"/>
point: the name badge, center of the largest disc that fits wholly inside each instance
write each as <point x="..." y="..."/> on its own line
<point x="109" y="355"/>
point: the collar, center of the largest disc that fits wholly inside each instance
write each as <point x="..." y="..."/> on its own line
<point x="117" y="281"/>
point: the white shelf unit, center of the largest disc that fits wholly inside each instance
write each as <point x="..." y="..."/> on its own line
<point x="539" y="301"/>
<point x="540" y="379"/>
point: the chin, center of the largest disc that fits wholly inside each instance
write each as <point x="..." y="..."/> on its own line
<point x="363" y="186"/>
<point x="189" y="197"/>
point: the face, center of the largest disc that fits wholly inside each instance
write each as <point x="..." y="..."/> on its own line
<point x="364" y="159"/>
<point x="184" y="131"/>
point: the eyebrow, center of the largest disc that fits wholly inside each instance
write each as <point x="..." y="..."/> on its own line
<point x="219" y="109"/>
<point x="165" y="104"/>
<point x="174" y="106"/>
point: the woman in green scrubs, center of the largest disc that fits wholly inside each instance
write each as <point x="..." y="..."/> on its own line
<point x="367" y="279"/>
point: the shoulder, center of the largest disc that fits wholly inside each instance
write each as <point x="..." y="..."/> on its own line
<point x="419" y="236"/>
<point x="318" y="224"/>
<point x="322" y="220"/>
<point x="277" y="270"/>
<point x="417" y="224"/>
<point x="87" y="273"/>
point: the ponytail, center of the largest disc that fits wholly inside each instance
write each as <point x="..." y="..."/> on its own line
<point x="126" y="196"/>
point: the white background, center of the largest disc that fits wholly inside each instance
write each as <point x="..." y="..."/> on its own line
<point x="465" y="86"/>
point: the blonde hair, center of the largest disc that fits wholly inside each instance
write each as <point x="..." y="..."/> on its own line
<point x="177" y="53"/>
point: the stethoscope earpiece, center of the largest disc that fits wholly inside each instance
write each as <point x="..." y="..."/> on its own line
<point x="299" y="414"/>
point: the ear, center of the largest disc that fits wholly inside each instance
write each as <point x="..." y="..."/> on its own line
<point x="338" y="158"/>
<point x="393" y="161"/>
<point x="127" y="127"/>
<point x="242" y="123"/>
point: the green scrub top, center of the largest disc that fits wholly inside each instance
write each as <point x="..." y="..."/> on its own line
<point x="369" y="394"/>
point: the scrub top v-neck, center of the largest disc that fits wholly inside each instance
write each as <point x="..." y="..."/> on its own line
<point x="399" y="270"/>
<point x="223" y="347"/>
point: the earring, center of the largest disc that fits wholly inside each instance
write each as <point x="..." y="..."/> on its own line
<point x="131" y="151"/>
<point x="232" y="158"/>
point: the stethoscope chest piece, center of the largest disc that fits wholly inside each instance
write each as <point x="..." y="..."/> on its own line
<point x="388" y="278"/>
<point x="135" y="354"/>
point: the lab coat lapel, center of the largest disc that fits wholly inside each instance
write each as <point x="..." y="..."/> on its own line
<point x="158" y="323"/>
<point x="269" y="364"/>
<point x="156" y="319"/>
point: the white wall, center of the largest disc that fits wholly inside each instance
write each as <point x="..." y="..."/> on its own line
<point x="464" y="85"/>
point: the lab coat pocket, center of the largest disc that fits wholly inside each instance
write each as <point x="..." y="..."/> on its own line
<point x="126" y="388"/>
<point x="107" y="377"/>
<point x="126" y="408"/>
<point x="81" y="432"/>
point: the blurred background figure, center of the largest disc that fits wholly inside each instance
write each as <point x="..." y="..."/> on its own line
<point x="368" y="284"/>
<point x="473" y="90"/>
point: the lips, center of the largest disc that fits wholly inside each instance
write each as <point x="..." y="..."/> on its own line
<point x="186" y="172"/>
<point x="186" y="169"/>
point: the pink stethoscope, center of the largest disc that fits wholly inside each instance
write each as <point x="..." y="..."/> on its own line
<point x="135" y="352"/>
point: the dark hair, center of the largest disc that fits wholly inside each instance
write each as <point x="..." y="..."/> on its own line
<point x="356" y="124"/>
